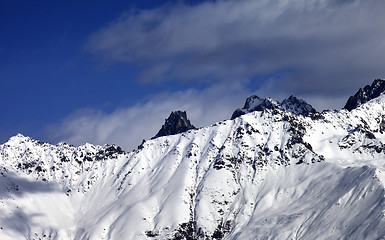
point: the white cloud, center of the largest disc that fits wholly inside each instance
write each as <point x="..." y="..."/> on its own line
<point x="127" y="127"/>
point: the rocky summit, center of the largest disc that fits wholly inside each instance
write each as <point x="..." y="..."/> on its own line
<point x="176" y="123"/>
<point x="297" y="106"/>
<point x="365" y="94"/>
<point x="291" y="104"/>
<point x="274" y="172"/>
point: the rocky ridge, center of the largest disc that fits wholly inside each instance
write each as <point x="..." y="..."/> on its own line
<point x="75" y="168"/>
<point x="291" y="104"/>
<point x="365" y="94"/>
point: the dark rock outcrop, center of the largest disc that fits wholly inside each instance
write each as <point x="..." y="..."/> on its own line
<point x="297" y="106"/>
<point x="366" y="94"/>
<point x="176" y="123"/>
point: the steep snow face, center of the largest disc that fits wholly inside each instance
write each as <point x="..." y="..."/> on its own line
<point x="265" y="174"/>
<point x="351" y="137"/>
<point x="366" y="94"/>
<point x="43" y="187"/>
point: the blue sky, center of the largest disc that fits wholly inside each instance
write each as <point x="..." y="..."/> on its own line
<point x="45" y="72"/>
<point x="106" y="72"/>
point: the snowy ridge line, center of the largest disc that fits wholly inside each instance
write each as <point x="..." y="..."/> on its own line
<point x="73" y="167"/>
<point x="266" y="174"/>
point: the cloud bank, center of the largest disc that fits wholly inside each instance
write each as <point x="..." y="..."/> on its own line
<point x="317" y="43"/>
<point x="127" y="127"/>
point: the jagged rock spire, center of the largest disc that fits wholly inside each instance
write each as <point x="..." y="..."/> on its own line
<point x="366" y="94"/>
<point x="176" y="123"/>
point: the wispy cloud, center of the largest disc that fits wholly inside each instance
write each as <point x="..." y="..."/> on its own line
<point x="331" y="46"/>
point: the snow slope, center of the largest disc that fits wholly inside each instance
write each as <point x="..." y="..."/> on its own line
<point x="264" y="175"/>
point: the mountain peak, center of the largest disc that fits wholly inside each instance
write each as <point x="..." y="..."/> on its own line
<point x="255" y="103"/>
<point x="291" y="104"/>
<point x="176" y="123"/>
<point x="365" y="94"/>
<point x="297" y="106"/>
<point x="18" y="138"/>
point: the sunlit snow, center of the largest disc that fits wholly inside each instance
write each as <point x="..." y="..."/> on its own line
<point x="264" y="175"/>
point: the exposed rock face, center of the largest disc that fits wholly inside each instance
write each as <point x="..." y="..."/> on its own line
<point x="366" y="94"/>
<point x="176" y="123"/>
<point x="292" y="104"/>
<point x="297" y="106"/>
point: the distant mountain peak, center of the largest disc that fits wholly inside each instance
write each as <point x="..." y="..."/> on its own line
<point x="297" y="106"/>
<point x="19" y="138"/>
<point x="365" y="94"/>
<point x="291" y="104"/>
<point x="176" y="123"/>
<point x="256" y="103"/>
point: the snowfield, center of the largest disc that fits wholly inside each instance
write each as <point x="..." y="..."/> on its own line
<point x="267" y="174"/>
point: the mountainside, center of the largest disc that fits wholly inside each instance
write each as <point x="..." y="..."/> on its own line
<point x="276" y="172"/>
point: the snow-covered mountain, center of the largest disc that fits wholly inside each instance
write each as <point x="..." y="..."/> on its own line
<point x="272" y="173"/>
